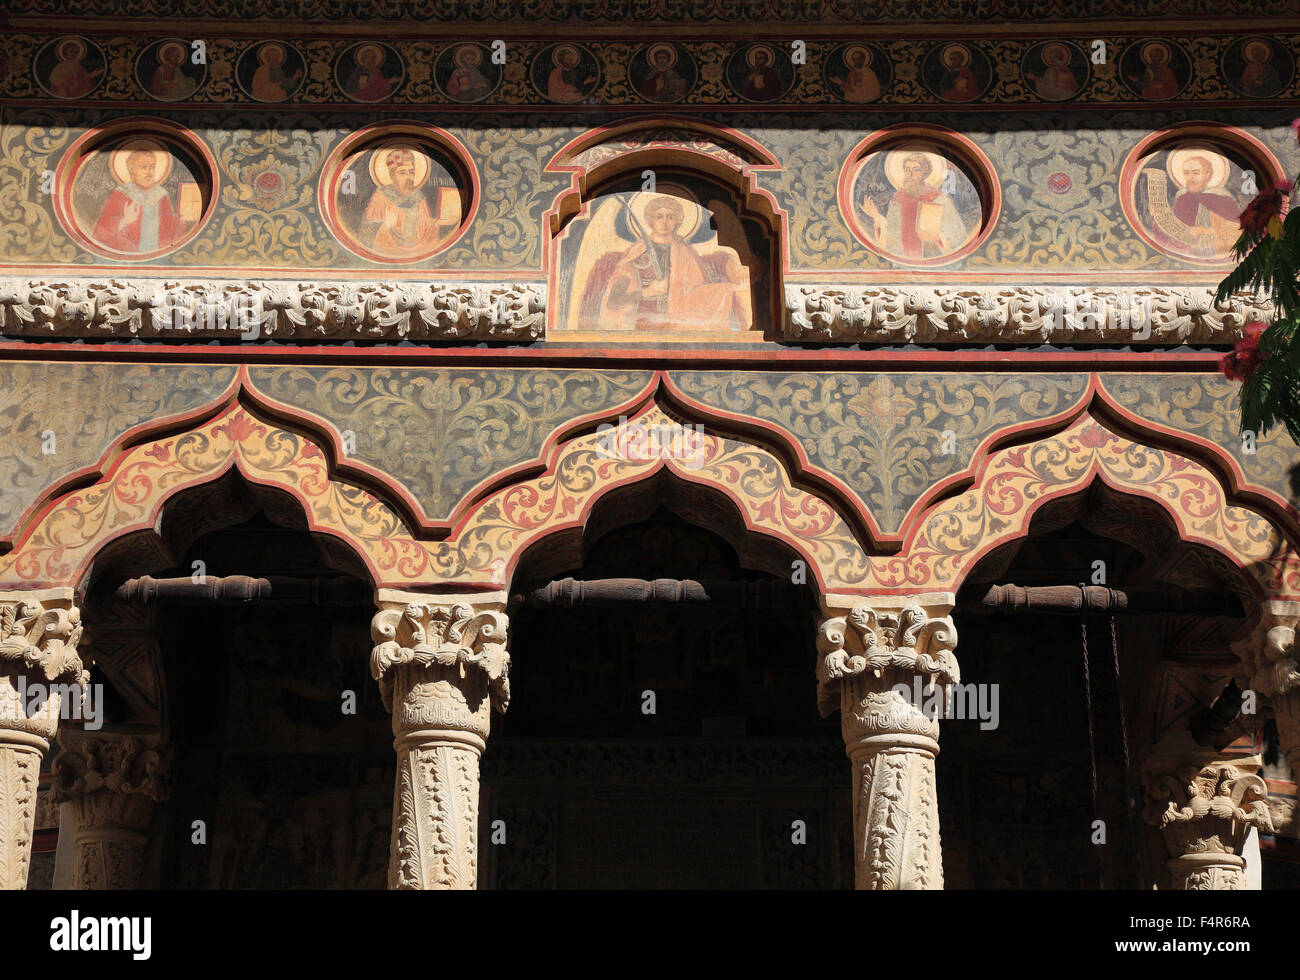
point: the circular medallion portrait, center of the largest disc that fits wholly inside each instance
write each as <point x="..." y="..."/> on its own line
<point x="913" y="203"/>
<point x="1186" y="200"/>
<point x="1055" y="70"/>
<point x="69" y="67"/>
<point x="164" y="70"/>
<point x="565" y="73"/>
<point x="662" y="72"/>
<point x="956" y="72"/>
<point x="1156" y="70"/>
<point x="271" y="71"/>
<point x="135" y="197"/>
<point x="760" y="73"/>
<point x="465" y="73"/>
<point x="1258" y="67"/>
<point x="399" y="199"/>
<point x="369" y="72"/>
<point x="857" y="72"/>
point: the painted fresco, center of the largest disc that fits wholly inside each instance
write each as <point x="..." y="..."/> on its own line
<point x="662" y="72"/>
<point x="271" y="72"/>
<point x="466" y="73"/>
<point x="1055" y="70"/>
<point x="370" y="72"/>
<point x="139" y="196"/>
<point x="166" y="71"/>
<point x="677" y="259"/>
<point x="915" y="204"/>
<point x="399" y="201"/>
<point x="1188" y="200"/>
<point x="69" y="67"/>
<point x="1156" y="70"/>
<point x="858" y="72"/>
<point x="957" y="72"/>
<point x="760" y="73"/>
<point x="566" y="73"/>
<point x="1258" y="67"/>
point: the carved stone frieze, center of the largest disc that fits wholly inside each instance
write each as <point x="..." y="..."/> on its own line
<point x="866" y="657"/>
<point x="283" y="310"/>
<point x="1015" y="314"/>
<point x="1205" y="807"/>
<point x="442" y="665"/>
<point x="40" y="670"/>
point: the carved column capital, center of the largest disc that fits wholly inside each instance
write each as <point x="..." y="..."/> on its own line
<point x="40" y="670"/>
<point x="1205" y="805"/>
<point x="442" y="665"/>
<point x="112" y="780"/>
<point x="1268" y="653"/>
<point x="869" y="652"/>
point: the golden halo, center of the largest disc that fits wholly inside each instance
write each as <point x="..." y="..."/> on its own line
<point x="162" y="160"/>
<point x="960" y="50"/>
<point x="76" y="42"/>
<point x="364" y="49"/>
<point x="752" y="55"/>
<point x="265" y="50"/>
<point x="654" y="48"/>
<point x="866" y="54"/>
<point x="1055" y="46"/>
<point x="171" y="46"/>
<point x="894" y="165"/>
<point x="470" y="52"/>
<point x="1149" y="49"/>
<point x="561" y="48"/>
<point x="1219" y="166"/>
<point x="642" y="200"/>
<point x="379" y="163"/>
<point x="1257" y="45"/>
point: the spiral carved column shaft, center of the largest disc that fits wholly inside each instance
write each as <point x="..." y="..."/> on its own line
<point x="867" y="655"/>
<point x="40" y="673"/>
<point x="442" y="666"/>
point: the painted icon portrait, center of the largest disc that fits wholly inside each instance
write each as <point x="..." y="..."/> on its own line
<point x="1156" y="70"/>
<point x="1258" y="67"/>
<point x="369" y="72"/>
<point x="565" y="73"/>
<point x="662" y="72"/>
<point x="1055" y="70"/>
<point x="400" y="201"/>
<point x="139" y="197"/>
<point x="271" y="71"/>
<point x="465" y="73"/>
<point x="165" y="71"/>
<point x="645" y="263"/>
<point x="760" y="73"/>
<point x="914" y="204"/>
<point x="69" y="67"/>
<point x="957" y="72"/>
<point x="1188" y="200"/>
<point x="858" y="73"/>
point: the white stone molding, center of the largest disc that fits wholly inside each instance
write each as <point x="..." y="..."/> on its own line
<point x="866" y="649"/>
<point x="442" y="666"/>
<point x="112" y="782"/>
<point x="40" y="670"/>
<point x="122" y="307"/>
<point x="117" y="306"/>
<point x="1118" y="315"/>
<point x="1205" y="804"/>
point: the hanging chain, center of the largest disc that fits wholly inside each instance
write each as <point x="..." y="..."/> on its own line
<point x="1087" y="693"/>
<point x="1119" y="693"/>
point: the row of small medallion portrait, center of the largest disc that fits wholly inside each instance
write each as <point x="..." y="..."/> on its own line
<point x="400" y="193"/>
<point x="655" y="72"/>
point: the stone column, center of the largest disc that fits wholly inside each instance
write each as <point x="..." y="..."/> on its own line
<point x="41" y="677"/>
<point x="869" y="652"/>
<point x="111" y="782"/>
<point x="442" y="665"/>
<point x="1205" y="804"/>
<point x="1268" y="667"/>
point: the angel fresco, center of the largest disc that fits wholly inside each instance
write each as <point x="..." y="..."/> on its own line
<point x="652" y="262"/>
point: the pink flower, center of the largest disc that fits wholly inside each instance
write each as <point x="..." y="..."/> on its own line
<point x="1266" y="207"/>
<point x="1246" y="357"/>
<point x="1295" y="126"/>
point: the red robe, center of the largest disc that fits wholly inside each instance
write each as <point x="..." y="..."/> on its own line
<point x="106" y="231"/>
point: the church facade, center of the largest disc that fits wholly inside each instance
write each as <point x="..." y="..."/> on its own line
<point x="490" y="447"/>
